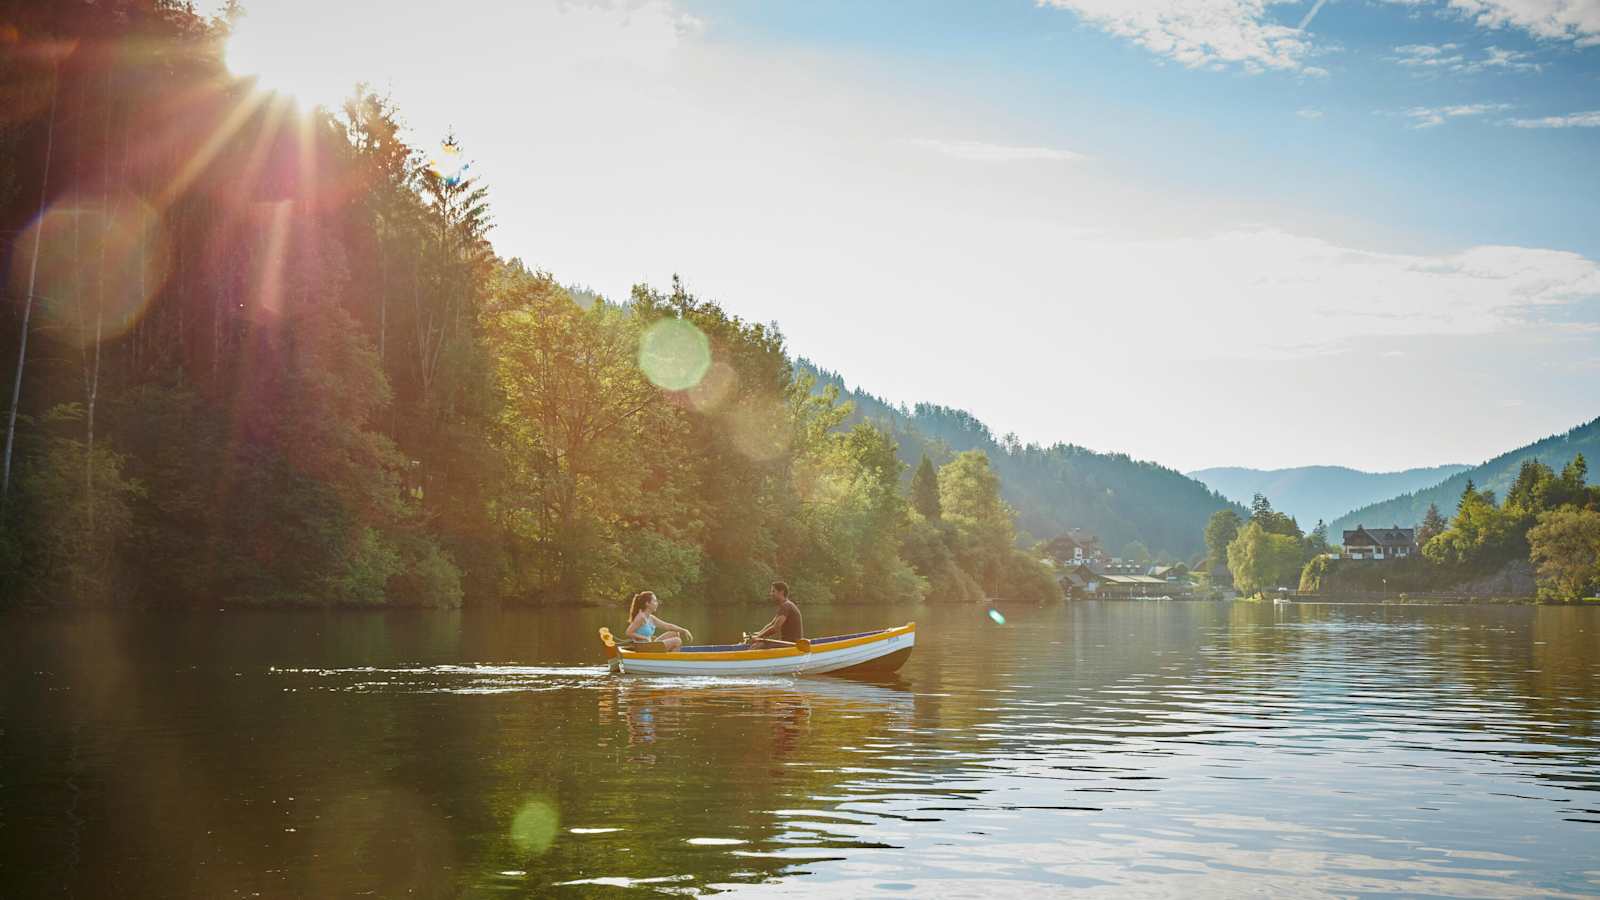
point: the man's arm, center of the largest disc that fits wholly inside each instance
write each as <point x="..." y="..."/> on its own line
<point x="772" y="627"/>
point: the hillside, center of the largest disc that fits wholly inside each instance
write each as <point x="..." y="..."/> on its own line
<point x="1312" y="493"/>
<point x="1055" y="488"/>
<point x="1496" y="475"/>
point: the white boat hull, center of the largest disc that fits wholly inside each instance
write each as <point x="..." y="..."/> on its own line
<point x="881" y="651"/>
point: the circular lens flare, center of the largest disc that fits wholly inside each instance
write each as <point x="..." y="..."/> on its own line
<point x="534" y="827"/>
<point x="996" y="615"/>
<point x="98" y="266"/>
<point x="674" y="354"/>
<point x="715" y="388"/>
<point x="760" y="429"/>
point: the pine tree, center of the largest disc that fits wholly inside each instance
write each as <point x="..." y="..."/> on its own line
<point x="1575" y="472"/>
<point x="1260" y="506"/>
<point x="925" y="490"/>
<point x="1433" y="525"/>
<point x="1317" y="542"/>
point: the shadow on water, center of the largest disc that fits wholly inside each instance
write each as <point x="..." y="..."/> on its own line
<point x="1160" y="747"/>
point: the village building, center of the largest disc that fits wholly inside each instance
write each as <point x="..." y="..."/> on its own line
<point x="1080" y="583"/>
<point x="1380" y="543"/>
<point x="1176" y="572"/>
<point x="1075" y="548"/>
<point x="1132" y="587"/>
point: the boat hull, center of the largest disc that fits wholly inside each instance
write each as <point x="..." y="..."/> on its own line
<point x="878" y="651"/>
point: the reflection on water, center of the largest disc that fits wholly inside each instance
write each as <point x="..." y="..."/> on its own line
<point x="1163" y="748"/>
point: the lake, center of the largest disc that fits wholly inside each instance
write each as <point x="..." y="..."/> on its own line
<point x="1137" y="748"/>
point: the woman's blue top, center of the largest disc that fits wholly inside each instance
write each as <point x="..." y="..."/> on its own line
<point x="648" y="629"/>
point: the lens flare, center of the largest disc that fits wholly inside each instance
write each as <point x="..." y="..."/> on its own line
<point x="450" y="164"/>
<point x="715" y="388"/>
<point x="760" y="429"/>
<point x="99" y="266"/>
<point x="534" y="827"/>
<point x="996" y="616"/>
<point x="674" y="354"/>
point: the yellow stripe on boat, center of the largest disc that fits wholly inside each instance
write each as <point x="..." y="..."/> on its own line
<point x="884" y="650"/>
<point x="773" y="652"/>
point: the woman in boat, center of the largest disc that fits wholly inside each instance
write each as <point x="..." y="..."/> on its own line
<point x="644" y="626"/>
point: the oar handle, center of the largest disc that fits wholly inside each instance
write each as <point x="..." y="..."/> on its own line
<point x="803" y="645"/>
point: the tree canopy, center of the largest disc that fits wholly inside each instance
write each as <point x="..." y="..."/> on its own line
<point x="273" y="357"/>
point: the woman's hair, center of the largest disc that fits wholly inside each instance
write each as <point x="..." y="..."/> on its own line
<point x="638" y="602"/>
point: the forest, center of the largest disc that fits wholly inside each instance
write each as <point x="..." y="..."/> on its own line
<point x="1548" y="521"/>
<point x="1134" y="507"/>
<point x="261" y="355"/>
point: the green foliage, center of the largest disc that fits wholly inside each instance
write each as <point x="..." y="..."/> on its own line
<point x="428" y="576"/>
<point x="1433" y="525"/>
<point x="1482" y="535"/>
<point x="1261" y="560"/>
<point x="1221" y="529"/>
<point x="332" y="392"/>
<point x="1059" y="487"/>
<point x="61" y="538"/>
<point x="1317" y="540"/>
<point x="1311" y="576"/>
<point x="1274" y="522"/>
<point x="1565" y="546"/>
<point x="925" y="490"/>
<point x="362" y="573"/>
<point x="1496" y="474"/>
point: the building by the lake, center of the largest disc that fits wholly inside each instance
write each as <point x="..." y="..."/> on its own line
<point x="1380" y="543"/>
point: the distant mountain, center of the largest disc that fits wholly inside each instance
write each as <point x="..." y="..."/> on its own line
<point x="1496" y="474"/>
<point x="1310" y="493"/>
<point x="1055" y="488"/>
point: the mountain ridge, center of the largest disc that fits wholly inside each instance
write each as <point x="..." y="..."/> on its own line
<point x="1119" y="499"/>
<point x="1496" y="474"/>
<point x="1324" y="492"/>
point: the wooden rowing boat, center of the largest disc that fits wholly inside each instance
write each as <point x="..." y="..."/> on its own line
<point x="884" y="650"/>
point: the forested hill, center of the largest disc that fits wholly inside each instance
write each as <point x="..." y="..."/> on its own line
<point x="1313" y="493"/>
<point x="1118" y="498"/>
<point x="260" y="354"/>
<point x="1496" y="475"/>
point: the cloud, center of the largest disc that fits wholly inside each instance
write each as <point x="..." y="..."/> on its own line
<point x="1429" y="116"/>
<point x="1515" y="60"/>
<point x="1569" y="20"/>
<point x="1308" y="113"/>
<point x="1434" y="58"/>
<point x="1289" y="293"/>
<point x="1589" y="119"/>
<point x="1201" y="33"/>
<point x="979" y="151"/>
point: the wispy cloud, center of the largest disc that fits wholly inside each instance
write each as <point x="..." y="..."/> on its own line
<point x="1429" y="116"/>
<point x="1434" y="58"/>
<point x="1589" y="119"/>
<point x="1202" y="33"/>
<point x="1308" y="113"/>
<point x="980" y="151"/>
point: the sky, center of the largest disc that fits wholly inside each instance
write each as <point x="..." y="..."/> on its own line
<point x="1200" y="232"/>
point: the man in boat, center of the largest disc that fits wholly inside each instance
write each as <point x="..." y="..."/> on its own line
<point x="785" y="625"/>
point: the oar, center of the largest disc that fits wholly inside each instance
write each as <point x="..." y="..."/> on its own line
<point x="803" y="645"/>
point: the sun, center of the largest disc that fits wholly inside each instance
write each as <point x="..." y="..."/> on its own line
<point x="281" y="65"/>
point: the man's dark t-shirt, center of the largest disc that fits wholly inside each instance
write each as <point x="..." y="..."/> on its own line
<point x="792" y="630"/>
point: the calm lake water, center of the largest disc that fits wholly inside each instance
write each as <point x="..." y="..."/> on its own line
<point x="1155" y="749"/>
